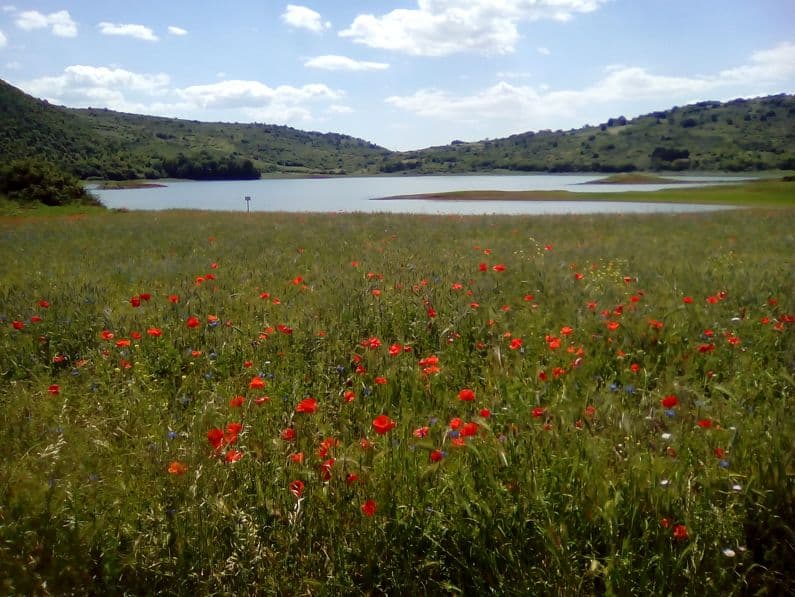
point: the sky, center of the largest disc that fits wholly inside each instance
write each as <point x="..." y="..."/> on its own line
<point x="404" y="74"/>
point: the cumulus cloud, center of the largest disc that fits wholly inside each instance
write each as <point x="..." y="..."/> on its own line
<point x="151" y="93"/>
<point x="339" y="109"/>
<point x="443" y="27"/>
<point x="334" y="62"/>
<point x="530" y="107"/>
<point x="127" y="30"/>
<point x="302" y="17"/>
<point x="177" y="30"/>
<point x="251" y="94"/>
<point x="3" y="40"/>
<point x="60" y="23"/>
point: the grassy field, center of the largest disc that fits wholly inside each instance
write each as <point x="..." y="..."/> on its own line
<point x="759" y="193"/>
<point x="288" y="404"/>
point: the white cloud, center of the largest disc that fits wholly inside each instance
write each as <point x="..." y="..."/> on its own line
<point x="302" y="17"/>
<point x="3" y="40"/>
<point x="13" y="65"/>
<point x="9" y="8"/>
<point x="60" y="23"/>
<point x="339" y="109"/>
<point x="143" y="93"/>
<point x="543" y="51"/>
<point x="127" y="30"/>
<point x="443" y="27"/>
<point x="177" y="30"/>
<point x="334" y="62"/>
<point x="527" y="107"/>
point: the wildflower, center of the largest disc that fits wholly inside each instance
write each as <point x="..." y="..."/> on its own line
<point x="455" y="423"/>
<point x="669" y="401"/>
<point x="665" y="523"/>
<point x="369" y="508"/>
<point x="469" y="429"/>
<point x="499" y="267"/>
<point x="687" y="300"/>
<point x="44" y="304"/>
<point x="173" y="298"/>
<point x="256" y="383"/>
<point x="382" y="424"/>
<point x="538" y="411"/>
<point x="18" y="325"/>
<point x="233" y="455"/>
<point x="705" y="423"/>
<point x="466" y="395"/>
<point x="307" y="405"/>
<point x="421" y="432"/>
<point x="192" y="322"/>
<point x="380" y="380"/>
<point x="297" y="488"/>
<point x="326" y="467"/>
<point x="216" y="437"/>
<point x="177" y="468"/>
<point x="436" y="455"/>
<point x="288" y="434"/>
<point x="135" y="301"/>
<point x="54" y="389"/>
<point x="516" y="344"/>
<point x="680" y="532"/>
<point x="485" y="413"/>
<point x="237" y="401"/>
<point x="728" y="552"/>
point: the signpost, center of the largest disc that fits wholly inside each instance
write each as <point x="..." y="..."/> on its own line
<point x="248" y="203"/>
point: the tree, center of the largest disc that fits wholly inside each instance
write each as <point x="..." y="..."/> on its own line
<point x="37" y="181"/>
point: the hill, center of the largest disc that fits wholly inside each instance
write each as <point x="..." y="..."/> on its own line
<point x="102" y="143"/>
<point x="740" y="135"/>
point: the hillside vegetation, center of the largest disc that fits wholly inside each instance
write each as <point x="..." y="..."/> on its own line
<point x="741" y="135"/>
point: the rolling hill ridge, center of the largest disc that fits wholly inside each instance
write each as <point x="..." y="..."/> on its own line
<point x="740" y="135"/>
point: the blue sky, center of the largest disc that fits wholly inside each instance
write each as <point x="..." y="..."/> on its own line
<point x="404" y="74"/>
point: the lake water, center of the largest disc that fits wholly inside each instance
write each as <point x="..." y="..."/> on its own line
<point x="358" y="194"/>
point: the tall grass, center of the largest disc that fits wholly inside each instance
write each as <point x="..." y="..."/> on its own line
<point x="575" y="478"/>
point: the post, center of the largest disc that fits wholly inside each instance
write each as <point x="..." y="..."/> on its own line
<point x="248" y="203"/>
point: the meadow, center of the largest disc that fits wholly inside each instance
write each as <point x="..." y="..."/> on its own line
<point x="219" y="403"/>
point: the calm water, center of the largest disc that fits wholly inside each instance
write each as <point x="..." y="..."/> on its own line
<point x="358" y="194"/>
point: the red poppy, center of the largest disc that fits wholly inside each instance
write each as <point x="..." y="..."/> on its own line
<point x="499" y="267"/>
<point x="135" y="335"/>
<point x="720" y="452"/>
<point x="307" y="405"/>
<point x="35" y="319"/>
<point x="154" y="332"/>
<point x="261" y="400"/>
<point x="706" y="348"/>
<point x="613" y="325"/>
<point x="665" y="523"/>
<point x="687" y="300"/>
<point x="436" y="455"/>
<point x="528" y="298"/>
<point x="216" y="437"/>
<point x="192" y="321"/>
<point x="288" y="434"/>
<point x="485" y="413"/>
<point x="233" y="455"/>
<point x="466" y="395"/>
<point x="349" y="396"/>
<point x="135" y="301"/>
<point x="539" y="411"/>
<point x="634" y="367"/>
<point x="421" y="432"/>
<point x="284" y="329"/>
<point x="469" y="429"/>
<point x="484" y="267"/>
<point x="380" y="380"/>
<point x="455" y="423"/>
<point x="45" y="305"/>
<point x="369" y="507"/>
<point x="297" y="458"/>
<point x="256" y="383"/>
<point x="123" y="343"/>
<point x="174" y="298"/>
<point x="382" y="424"/>
<point x="18" y="325"/>
<point x="326" y="468"/>
<point x="669" y="401"/>
<point x="237" y="401"/>
<point x="145" y="296"/>
<point x="680" y="532"/>
<point x="54" y="389"/>
<point x="515" y="344"/>
<point x="177" y="468"/>
<point x="371" y="343"/>
<point x="705" y="423"/>
<point x="297" y="488"/>
<point x="590" y="410"/>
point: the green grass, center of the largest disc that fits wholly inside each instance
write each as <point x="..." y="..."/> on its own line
<point x="570" y="485"/>
<point x="761" y="193"/>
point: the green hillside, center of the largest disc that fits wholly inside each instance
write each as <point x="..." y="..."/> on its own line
<point x="741" y="135"/>
<point x="105" y="144"/>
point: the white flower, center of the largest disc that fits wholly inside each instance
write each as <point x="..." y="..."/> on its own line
<point x="666" y="436"/>
<point x="729" y="552"/>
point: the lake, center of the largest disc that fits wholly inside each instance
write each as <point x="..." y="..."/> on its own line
<point x="357" y="194"/>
